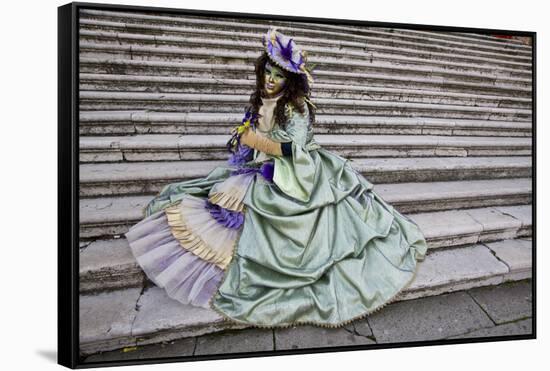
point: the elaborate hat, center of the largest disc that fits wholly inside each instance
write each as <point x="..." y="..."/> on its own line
<point x="284" y="52"/>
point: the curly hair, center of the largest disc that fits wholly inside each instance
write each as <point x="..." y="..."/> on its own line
<point x="296" y="88"/>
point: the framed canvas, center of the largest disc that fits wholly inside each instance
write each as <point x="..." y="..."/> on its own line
<point x="241" y="185"/>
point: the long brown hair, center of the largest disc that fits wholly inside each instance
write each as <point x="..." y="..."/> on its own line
<point x="296" y="88"/>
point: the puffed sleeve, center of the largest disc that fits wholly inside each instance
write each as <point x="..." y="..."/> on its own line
<point x="295" y="174"/>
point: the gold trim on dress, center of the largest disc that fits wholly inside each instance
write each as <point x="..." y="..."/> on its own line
<point x="226" y="201"/>
<point x="190" y="242"/>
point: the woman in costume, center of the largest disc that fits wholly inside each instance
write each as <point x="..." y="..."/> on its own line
<point x="287" y="233"/>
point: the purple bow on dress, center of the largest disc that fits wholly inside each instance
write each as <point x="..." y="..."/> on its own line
<point x="267" y="169"/>
<point x="227" y="218"/>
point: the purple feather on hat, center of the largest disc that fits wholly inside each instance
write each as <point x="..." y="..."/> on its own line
<point x="286" y="56"/>
<point x="285" y="51"/>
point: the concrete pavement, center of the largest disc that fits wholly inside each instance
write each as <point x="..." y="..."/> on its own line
<point x="501" y="310"/>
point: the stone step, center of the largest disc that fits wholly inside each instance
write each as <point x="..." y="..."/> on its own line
<point x="465" y="39"/>
<point x="336" y="64"/>
<point x="455" y="227"/>
<point x="173" y="102"/>
<point x="437" y="196"/>
<point x="487" y="40"/>
<point x="173" y="147"/>
<point x="454" y="40"/>
<point x="510" y="43"/>
<point x="431" y="36"/>
<point x="140" y="316"/>
<point x="142" y="122"/>
<point x="386" y="76"/>
<point x="321" y="45"/>
<point x="223" y="41"/>
<point x="110" y="216"/>
<point x="191" y="85"/>
<point x="149" y="177"/>
<point x="108" y="264"/>
<point x="369" y="36"/>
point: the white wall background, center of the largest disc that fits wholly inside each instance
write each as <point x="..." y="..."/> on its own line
<point x="29" y="182"/>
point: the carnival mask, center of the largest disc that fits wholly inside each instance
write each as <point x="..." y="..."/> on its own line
<point x="274" y="80"/>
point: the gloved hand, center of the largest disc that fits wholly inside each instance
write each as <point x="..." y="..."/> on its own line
<point x="265" y="145"/>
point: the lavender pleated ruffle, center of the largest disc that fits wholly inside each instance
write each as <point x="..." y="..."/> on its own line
<point x="185" y="277"/>
<point x="186" y="255"/>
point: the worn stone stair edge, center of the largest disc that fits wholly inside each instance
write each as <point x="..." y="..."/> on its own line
<point x="433" y="36"/>
<point x="153" y="186"/>
<point x="324" y="61"/>
<point x="143" y="152"/>
<point x="129" y="208"/>
<point x="208" y="117"/>
<point x="325" y="102"/>
<point x="337" y="76"/>
<point x="120" y="323"/>
<point x="392" y="54"/>
<point x="107" y="225"/>
<point x="305" y="36"/>
<point x="194" y="128"/>
<point x="466" y="37"/>
<point x="428" y="196"/>
<point x="517" y="256"/>
<point x="142" y="183"/>
<point x="109" y="173"/>
<point x="213" y="141"/>
<point x="361" y="109"/>
<point x="376" y="47"/>
<point x="414" y="96"/>
<point x="110" y="179"/>
<point x="332" y="75"/>
<point x="166" y="128"/>
<point x="91" y="78"/>
<point x="425" y="35"/>
<point x="348" y="108"/>
<point x="398" y="95"/>
<point x="391" y="67"/>
<point x="109" y="264"/>
<point x="205" y="122"/>
<point x="98" y="273"/>
<point x="90" y="81"/>
<point x="495" y="40"/>
<point x="372" y="95"/>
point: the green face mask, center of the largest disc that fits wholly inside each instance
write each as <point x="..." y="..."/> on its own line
<point x="274" y="80"/>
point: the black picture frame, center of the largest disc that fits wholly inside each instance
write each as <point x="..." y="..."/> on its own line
<point x="69" y="184"/>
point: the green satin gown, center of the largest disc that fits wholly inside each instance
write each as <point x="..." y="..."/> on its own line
<point x="318" y="245"/>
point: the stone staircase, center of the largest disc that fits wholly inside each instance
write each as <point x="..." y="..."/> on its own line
<point x="439" y="122"/>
